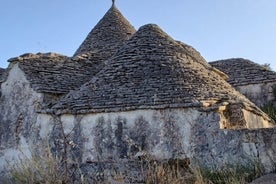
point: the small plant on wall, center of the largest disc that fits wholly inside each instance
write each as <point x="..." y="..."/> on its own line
<point x="270" y="110"/>
<point x="270" y="107"/>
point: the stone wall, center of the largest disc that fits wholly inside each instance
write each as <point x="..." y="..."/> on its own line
<point x="260" y="94"/>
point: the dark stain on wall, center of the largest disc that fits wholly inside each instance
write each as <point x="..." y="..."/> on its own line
<point x="171" y="134"/>
<point x="139" y="134"/>
<point x="103" y="141"/>
<point x="120" y="143"/>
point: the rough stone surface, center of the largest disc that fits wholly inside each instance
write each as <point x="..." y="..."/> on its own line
<point x="251" y="79"/>
<point x="267" y="179"/>
<point x="2" y="74"/>
<point x="108" y="35"/>
<point x="152" y="71"/>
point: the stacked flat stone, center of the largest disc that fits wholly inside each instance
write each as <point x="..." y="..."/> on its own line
<point x="108" y="35"/>
<point x="243" y="72"/>
<point x="57" y="74"/>
<point x="150" y="71"/>
<point x="192" y="52"/>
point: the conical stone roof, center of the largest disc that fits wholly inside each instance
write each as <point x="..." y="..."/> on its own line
<point x="150" y="71"/>
<point x="108" y="35"/>
<point x="57" y="74"/>
<point x="243" y="71"/>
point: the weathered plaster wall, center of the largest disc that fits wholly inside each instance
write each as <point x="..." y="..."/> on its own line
<point x="160" y="134"/>
<point x="98" y="143"/>
<point x="106" y="136"/>
<point x="260" y="94"/>
<point x="18" y="104"/>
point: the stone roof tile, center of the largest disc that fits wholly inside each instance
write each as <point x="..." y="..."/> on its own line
<point x="150" y="71"/>
<point x="243" y="72"/>
<point x="192" y="52"/>
<point x="108" y="35"/>
<point x="58" y="74"/>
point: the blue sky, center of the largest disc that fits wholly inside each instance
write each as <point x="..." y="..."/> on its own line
<point x="218" y="29"/>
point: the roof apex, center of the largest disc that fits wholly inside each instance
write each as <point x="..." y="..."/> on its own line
<point x="109" y="33"/>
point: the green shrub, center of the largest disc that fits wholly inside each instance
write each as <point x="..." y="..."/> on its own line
<point x="270" y="110"/>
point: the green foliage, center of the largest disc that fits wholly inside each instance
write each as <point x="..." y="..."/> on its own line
<point x="270" y="110"/>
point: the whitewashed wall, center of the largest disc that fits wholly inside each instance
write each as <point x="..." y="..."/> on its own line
<point x="160" y="134"/>
<point x="260" y="94"/>
<point x="18" y="103"/>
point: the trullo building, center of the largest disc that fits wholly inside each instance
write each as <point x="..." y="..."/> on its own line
<point x="125" y="95"/>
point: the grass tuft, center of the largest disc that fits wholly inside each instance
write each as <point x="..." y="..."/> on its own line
<point x="43" y="168"/>
<point x="232" y="174"/>
<point x="47" y="169"/>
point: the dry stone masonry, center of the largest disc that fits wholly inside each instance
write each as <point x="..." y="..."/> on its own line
<point x="125" y="96"/>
